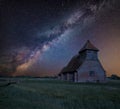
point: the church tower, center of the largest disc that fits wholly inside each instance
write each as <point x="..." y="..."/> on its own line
<point x="91" y="69"/>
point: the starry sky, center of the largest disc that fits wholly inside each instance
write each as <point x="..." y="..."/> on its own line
<point x="39" y="37"/>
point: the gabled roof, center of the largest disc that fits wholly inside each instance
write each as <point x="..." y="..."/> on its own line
<point x="73" y="65"/>
<point x="88" y="46"/>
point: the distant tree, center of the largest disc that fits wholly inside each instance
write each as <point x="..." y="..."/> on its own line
<point x="116" y="77"/>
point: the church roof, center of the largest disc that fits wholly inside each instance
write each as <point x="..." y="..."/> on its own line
<point x="88" y="46"/>
<point x="73" y="65"/>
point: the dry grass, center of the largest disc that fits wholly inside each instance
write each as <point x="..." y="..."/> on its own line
<point x="54" y="94"/>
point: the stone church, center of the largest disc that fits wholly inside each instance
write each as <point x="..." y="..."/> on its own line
<point x="84" y="67"/>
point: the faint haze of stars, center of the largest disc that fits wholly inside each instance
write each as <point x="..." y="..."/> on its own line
<point x="45" y="34"/>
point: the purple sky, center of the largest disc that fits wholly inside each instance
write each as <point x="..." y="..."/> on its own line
<point x="38" y="38"/>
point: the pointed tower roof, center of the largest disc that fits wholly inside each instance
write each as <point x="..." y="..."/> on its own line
<point x="88" y="46"/>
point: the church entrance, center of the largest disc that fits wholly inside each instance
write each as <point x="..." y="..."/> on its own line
<point x="71" y="77"/>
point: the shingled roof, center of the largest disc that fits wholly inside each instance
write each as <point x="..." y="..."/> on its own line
<point x="73" y="65"/>
<point x="88" y="46"/>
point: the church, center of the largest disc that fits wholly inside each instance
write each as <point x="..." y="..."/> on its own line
<point x="84" y="67"/>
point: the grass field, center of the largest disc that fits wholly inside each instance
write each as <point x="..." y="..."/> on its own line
<point x="31" y="93"/>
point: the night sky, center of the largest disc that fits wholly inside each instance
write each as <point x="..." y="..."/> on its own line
<point x="39" y="37"/>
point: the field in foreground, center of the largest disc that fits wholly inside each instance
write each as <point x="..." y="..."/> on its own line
<point x="31" y="93"/>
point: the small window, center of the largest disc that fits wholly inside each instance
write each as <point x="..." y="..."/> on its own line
<point x="91" y="73"/>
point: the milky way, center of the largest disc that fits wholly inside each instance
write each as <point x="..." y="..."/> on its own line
<point x="36" y="42"/>
<point x="55" y="34"/>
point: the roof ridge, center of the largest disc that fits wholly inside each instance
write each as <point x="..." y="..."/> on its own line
<point x="88" y="46"/>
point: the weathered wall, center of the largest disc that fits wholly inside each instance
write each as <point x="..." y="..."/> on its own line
<point x="87" y="67"/>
